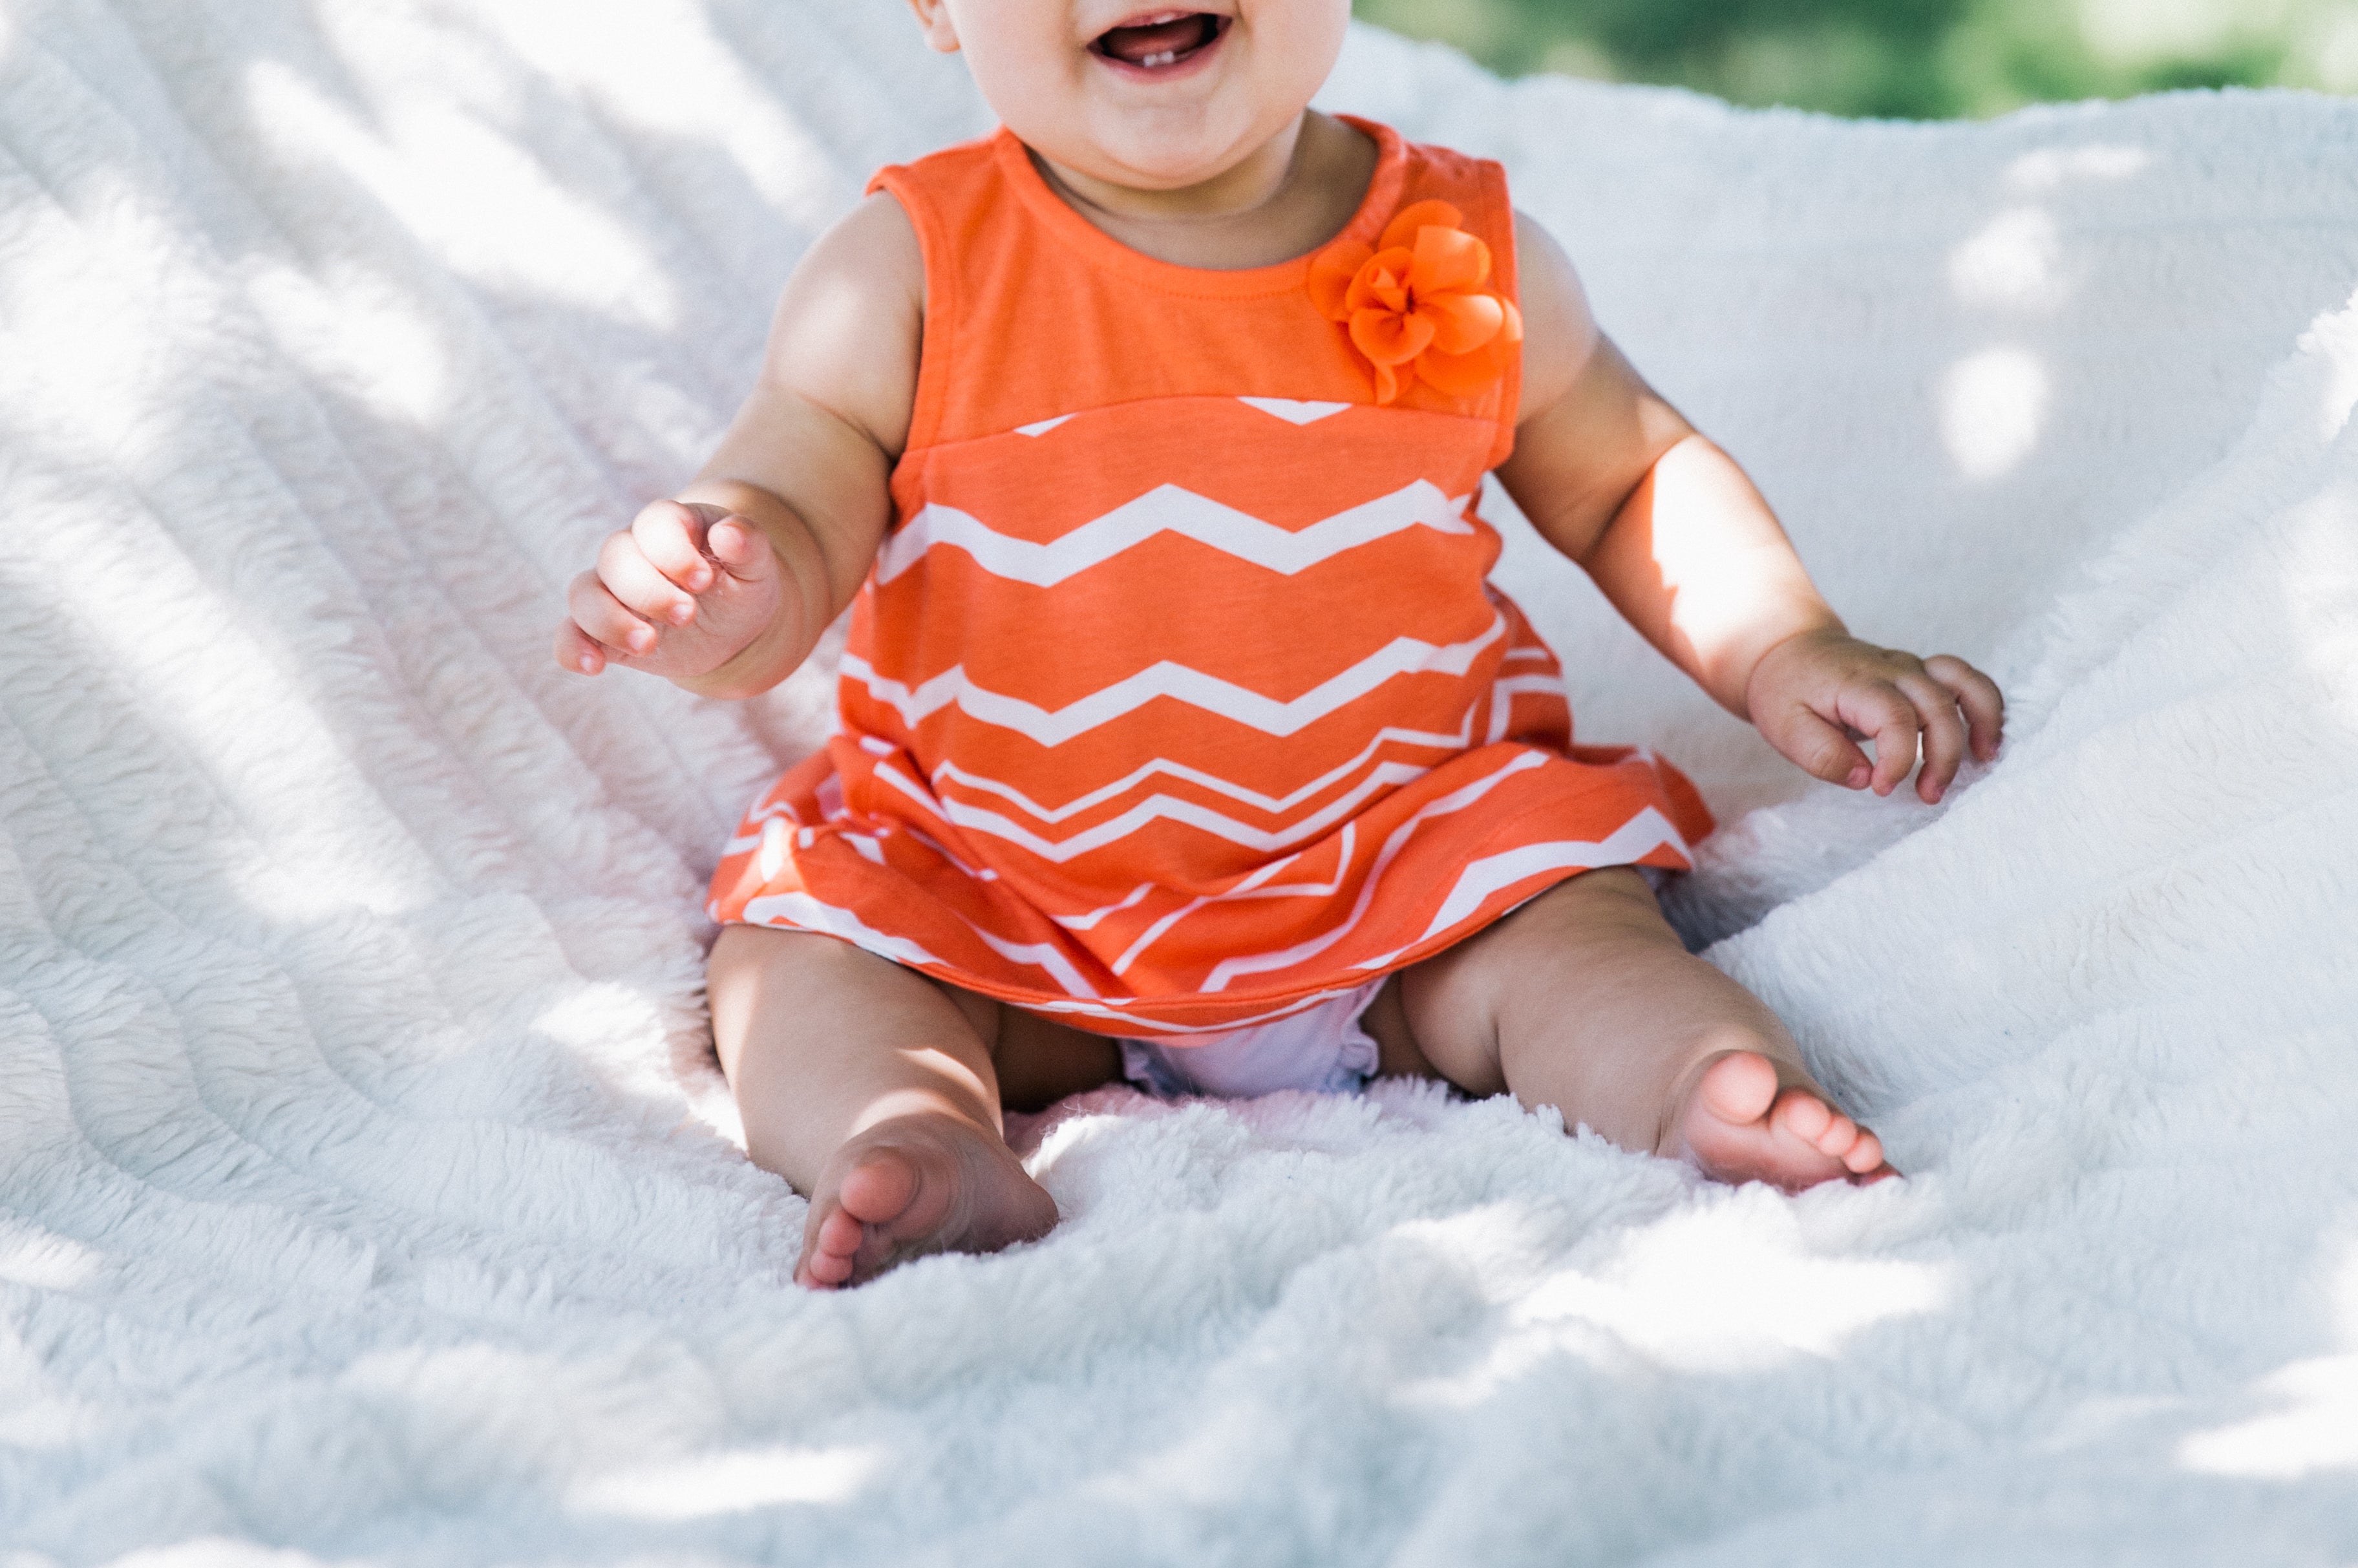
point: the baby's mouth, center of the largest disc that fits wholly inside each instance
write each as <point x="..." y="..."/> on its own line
<point x="1159" y="39"/>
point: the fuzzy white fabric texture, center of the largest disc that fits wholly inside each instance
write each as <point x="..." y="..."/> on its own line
<point x="365" y="1190"/>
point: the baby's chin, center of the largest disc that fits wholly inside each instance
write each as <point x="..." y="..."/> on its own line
<point x="1151" y="162"/>
<point x="1169" y="146"/>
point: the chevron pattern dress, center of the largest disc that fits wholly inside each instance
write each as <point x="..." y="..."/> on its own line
<point x="1178" y="699"/>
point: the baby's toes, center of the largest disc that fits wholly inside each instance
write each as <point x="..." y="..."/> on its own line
<point x="1802" y="1114"/>
<point x="829" y="1256"/>
<point x="1840" y="1133"/>
<point x="1863" y="1155"/>
<point x="840" y="1233"/>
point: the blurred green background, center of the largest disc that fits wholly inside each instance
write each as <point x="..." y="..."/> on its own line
<point x="1909" y="58"/>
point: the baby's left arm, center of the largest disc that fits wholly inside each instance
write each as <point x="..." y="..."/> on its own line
<point x="1685" y="546"/>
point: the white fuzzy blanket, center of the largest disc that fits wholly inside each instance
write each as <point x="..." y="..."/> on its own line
<point x="361" y="1195"/>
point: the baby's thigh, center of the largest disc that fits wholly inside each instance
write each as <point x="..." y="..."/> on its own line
<point x="1588" y="947"/>
<point x="817" y="1005"/>
<point x="1040" y="1061"/>
<point x="792" y="992"/>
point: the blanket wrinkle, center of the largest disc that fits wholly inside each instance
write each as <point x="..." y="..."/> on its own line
<point x="367" y="1188"/>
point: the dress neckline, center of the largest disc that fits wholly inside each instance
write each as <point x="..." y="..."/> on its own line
<point x="1278" y="278"/>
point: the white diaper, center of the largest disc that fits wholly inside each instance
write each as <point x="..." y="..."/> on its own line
<point x="1321" y="1048"/>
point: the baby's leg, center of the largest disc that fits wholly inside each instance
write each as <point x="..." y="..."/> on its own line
<point x="877" y="1093"/>
<point x="1585" y="999"/>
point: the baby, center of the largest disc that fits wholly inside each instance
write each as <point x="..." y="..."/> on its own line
<point x="1183" y="738"/>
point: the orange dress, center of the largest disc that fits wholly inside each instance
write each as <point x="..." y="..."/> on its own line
<point x="1178" y="699"/>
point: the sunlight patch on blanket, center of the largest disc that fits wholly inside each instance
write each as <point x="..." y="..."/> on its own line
<point x="2013" y="262"/>
<point x="2334" y="336"/>
<point x="1993" y="405"/>
<point x="2314" y="1425"/>
<point x="731" y="111"/>
<point x="1729" y="1286"/>
<point x="1733" y="1285"/>
<point x="2320" y="589"/>
<point x="356" y="328"/>
<point x="502" y="217"/>
<point x="2047" y="168"/>
<point x="729" y="1483"/>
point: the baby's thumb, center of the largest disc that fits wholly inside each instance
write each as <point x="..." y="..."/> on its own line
<point x="1821" y="751"/>
<point x="741" y="549"/>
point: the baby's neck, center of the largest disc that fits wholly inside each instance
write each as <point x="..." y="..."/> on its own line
<point x="1286" y="198"/>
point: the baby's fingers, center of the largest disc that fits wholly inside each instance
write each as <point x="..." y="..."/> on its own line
<point x="605" y="618"/>
<point x="1944" y="735"/>
<point x="1882" y="711"/>
<point x="1978" y="695"/>
<point x="633" y="580"/>
<point x="741" y="549"/>
<point x="577" y="651"/>
<point x="670" y="534"/>
<point x="1821" y="750"/>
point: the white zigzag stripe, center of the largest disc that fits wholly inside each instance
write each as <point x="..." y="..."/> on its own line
<point x="1261" y="883"/>
<point x="979" y="873"/>
<point x="1251" y="887"/>
<point x="1402" y="655"/>
<point x="1040" y="955"/>
<point x="802" y="911"/>
<point x="1168" y="509"/>
<point x="1343" y="856"/>
<point x="1502" y="700"/>
<point x="1294" y="410"/>
<point x="1162" y="807"/>
<point x="1273" y="804"/>
<point x="1089" y="922"/>
<point x="764" y="816"/>
<point x="799" y="909"/>
<point x="909" y="787"/>
<point x="1509" y="685"/>
<point x="1284" y="957"/>
<point x="1153" y="933"/>
<point x="1642" y="834"/>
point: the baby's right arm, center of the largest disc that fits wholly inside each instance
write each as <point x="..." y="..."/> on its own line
<point x="724" y="588"/>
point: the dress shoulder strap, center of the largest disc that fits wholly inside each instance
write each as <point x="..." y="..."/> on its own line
<point x="956" y="200"/>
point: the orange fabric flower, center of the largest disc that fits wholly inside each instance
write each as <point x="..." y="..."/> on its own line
<point x="1415" y="304"/>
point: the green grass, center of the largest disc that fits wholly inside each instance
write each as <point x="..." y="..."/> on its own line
<point x="1905" y="59"/>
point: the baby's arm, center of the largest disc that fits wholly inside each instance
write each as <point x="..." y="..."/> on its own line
<point x="724" y="588"/>
<point x="1685" y="546"/>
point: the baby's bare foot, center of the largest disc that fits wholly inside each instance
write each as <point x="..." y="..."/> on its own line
<point x="912" y="1186"/>
<point x="1741" y="1124"/>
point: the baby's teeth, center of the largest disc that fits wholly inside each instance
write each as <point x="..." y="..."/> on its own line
<point x="1166" y="58"/>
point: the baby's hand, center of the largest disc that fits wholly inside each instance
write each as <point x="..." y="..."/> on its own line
<point x="1813" y="695"/>
<point x="679" y="594"/>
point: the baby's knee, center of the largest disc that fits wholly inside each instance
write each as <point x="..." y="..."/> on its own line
<point x="737" y="948"/>
<point x="752" y="965"/>
<point x="742" y="950"/>
<point x="1613" y="905"/>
